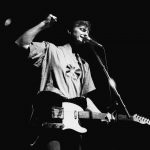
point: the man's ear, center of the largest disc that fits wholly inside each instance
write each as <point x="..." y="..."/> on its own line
<point x="68" y="32"/>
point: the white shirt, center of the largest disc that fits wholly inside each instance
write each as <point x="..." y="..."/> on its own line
<point x="62" y="71"/>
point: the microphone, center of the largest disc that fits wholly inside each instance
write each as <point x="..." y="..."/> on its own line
<point x="86" y="38"/>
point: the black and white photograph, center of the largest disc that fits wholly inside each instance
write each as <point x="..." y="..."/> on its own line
<point x="75" y="75"/>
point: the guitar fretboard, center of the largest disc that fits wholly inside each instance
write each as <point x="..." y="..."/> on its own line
<point x="91" y="115"/>
<point x="124" y="117"/>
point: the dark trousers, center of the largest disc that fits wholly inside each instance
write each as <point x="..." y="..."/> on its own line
<point x="55" y="139"/>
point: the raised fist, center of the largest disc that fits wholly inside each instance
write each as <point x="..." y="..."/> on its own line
<point x="49" y="20"/>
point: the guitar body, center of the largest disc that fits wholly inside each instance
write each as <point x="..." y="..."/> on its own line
<point x="53" y="111"/>
<point x="69" y="115"/>
<point x="64" y="117"/>
<point x="71" y="118"/>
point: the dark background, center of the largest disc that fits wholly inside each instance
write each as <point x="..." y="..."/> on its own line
<point x="122" y="28"/>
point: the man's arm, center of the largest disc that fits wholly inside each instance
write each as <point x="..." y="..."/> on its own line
<point x="26" y="38"/>
<point x="92" y="107"/>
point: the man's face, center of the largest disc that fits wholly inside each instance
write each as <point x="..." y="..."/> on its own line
<point x="79" y="32"/>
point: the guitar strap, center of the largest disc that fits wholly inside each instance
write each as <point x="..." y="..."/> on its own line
<point x="48" y="98"/>
<point x="81" y="101"/>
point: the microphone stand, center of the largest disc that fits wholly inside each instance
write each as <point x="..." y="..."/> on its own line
<point x="110" y="80"/>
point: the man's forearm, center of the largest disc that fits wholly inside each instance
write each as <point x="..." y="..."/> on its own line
<point x="25" y="39"/>
<point x="29" y="35"/>
<point x="91" y="106"/>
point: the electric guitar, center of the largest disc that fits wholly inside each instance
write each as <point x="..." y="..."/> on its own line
<point x="70" y="114"/>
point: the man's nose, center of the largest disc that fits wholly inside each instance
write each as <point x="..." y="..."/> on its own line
<point x="85" y="35"/>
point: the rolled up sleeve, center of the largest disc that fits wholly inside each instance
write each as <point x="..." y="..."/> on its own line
<point x="37" y="52"/>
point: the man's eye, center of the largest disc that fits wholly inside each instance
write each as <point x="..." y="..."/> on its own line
<point x="83" y="29"/>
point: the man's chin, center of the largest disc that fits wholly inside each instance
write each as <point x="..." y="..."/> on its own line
<point x="80" y="42"/>
<point x="77" y="41"/>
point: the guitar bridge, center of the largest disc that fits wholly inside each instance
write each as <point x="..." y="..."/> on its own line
<point x="57" y="112"/>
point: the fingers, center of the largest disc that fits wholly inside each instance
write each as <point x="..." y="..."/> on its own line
<point x="49" y="21"/>
<point x="51" y="17"/>
<point x="108" y="118"/>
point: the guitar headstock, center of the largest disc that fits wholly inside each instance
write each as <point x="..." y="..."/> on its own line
<point x="140" y="119"/>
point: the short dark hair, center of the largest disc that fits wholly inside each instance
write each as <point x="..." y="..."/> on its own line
<point x="79" y="23"/>
<point x="82" y="22"/>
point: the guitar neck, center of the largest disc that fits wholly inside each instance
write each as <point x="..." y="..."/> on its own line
<point x="135" y="118"/>
<point x="91" y="115"/>
<point x="124" y="117"/>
